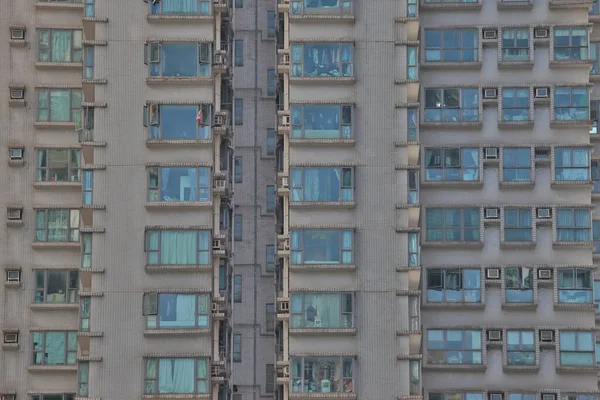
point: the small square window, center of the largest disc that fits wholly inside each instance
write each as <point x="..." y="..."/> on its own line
<point x="16" y="153"/>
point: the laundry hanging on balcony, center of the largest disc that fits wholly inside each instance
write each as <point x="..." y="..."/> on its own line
<point x="200" y="117"/>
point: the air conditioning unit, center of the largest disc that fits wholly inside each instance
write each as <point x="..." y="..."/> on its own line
<point x="491" y="153"/>
<point x="492" y="273"/>
<point x="220" y="183"/>
<point x="283" y="306"/>
<point x="495" y="335"/>
<point x="285" y="59"/>
<point x="11" y="338"/>
<point x="215" y="371"/>
<point x="15" y="214"/>
<point x="220" y="119"/>
<point x="492" y="213"/>
<point x="495" y="396"/>
<point x="544" y="274"/>
<point x="17" y="34"/>
<point x="220" y="58"/>
<point x="540" y="33"/>
<point x="541" y="93"/>
<point x="215" y="308"/>
<point x="216" y="244"/>
<point x="15" y="153"/>
<point x="286" y="372"/>
<point x="284" y="244"/>
<point x="546" y="336"/>
<point x="490" y="34"/>
<point x="285" y="182"/>
<point x="17" y="94"/>
<point x="490" y="93"/>
<point x="13" y="275"/>
<point x="544" y="213"/>
<point x="284" y="120"/>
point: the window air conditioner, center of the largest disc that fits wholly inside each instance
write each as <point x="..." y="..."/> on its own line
<point x="490" y="93"/>
<point x="490" y="34"/>
<point x="491" y="153"/>
<point x="15" y="153"/>
<point x="15" y="214"/>
<point x="544" y="213"/>
<point x="492" y="213"/>
<point x="492" y="273"/>
<point x="17" y="34"/>
<point x="17" y="94"/>
<point x="540" y="33"/>
<point x="546" y="336"/>
<point x="11" y="338"/>
<point x="541" y="93"/>
<point x="544" y="274"/>
<point x="13" y="275"/>
<point x="495" y="335"/>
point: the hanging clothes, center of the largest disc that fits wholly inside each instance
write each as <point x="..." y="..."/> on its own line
<point x="200" y="117"/>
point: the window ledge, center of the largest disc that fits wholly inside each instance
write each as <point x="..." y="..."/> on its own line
<point x="321" y="79"/>
<point x="519" y="184"/>
<point x="503" y="5"/>
<point x="570" y="63"/>
<point x="57" y="185"/>
<point x="177" y="332"/>
<point x="515" y="124"/>
<point x="555" y="123"/>
<point x="452" y="65"/>
<point x="323" y="204"/>
<point x="450" y="6"/>
<point x="94" y="81"/>
<point x="55" y="125"/>
<point x="322" y="396"/>
<point x="54" y="306"/>
<point x="174" y="396"/>
<point x="554" y="183"/>
<point x="179" y="268"/>
<point x="515" y="64"/>
<point x="451" y="124"/>
<point x="178" y="17"/>
<point x="92" y="270"/>
<point x="519" y="306"/>
<point x="59" y="65"/>
<point x="65" y="6"/>
<point x="322" y="267"/>
<point x="453" y="367"/>
<point x="322" y="331"/>
<point x="452" y="183"/>
<point x="318" y="17"/>
<point x="180" y="142"/>
<point x="314" y="141"/>
<point x="463" y="305"/>
<point x="570" y="4"/>
<point x="573" y="244"/>
<point x="577" y="306"/>
<point x="464" y="244"/>
<point x="521" y="368"/>
<point x="179" y="204"/>
<point x="56" y="245"/>
<point x="576" y="368"/>
<point x="594" y="17"/>
<point x="10" y="346"/>
<point x="53" y="368"/>
<point x="517" y="245"/>
<point x="12" y="285"/>
<point x="94" y="19"/>
<point x="184" y="80"/>
<point x="407" y="19"/>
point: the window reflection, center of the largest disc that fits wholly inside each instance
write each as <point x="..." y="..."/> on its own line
<point x="321" y="7"/>
<point x="322" y="184"/>
<point x="179" y="184"/>
<point x="321" y="247"/>
<point x="182" y="122"/>
<point x="322" y="60"/>
<point x="571" y="104"/>
<point x="321" y="310"/>
<point x="179" y="59"/>
<point x="321" y="121"/>
<point x="322" y="375"/>
<point x="180" y="7"/>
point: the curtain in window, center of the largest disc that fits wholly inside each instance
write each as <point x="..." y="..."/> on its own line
<point x="180" y="6"/>
<point x="413" y="248"/>
<point x="193" y="185"/>
<point x="571" y="225"/>
<point x="61" y="46"/>
<point x="177" y="310"/>
<point x="296" y="253"/>
<point x="178" y="247"/>
<point x="60" y="105"/>
<point x="165" y="173"/>
<point x="204" y="247"/>
<point x="183" y="376"/>
<point x="470" y="164"/>
<point x="58" y="225"/>
<point x="323" y="310"/>
<point x="321" y="184"/>
<point x="55" y="348"/>
<point x="577" y="160"/>
<point x="202" y="375"/>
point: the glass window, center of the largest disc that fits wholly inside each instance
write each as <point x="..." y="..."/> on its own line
<point x="412" y="115"/>
<point x="577" y="348"/>
<point x="575" y="285"/>
<point x="413" y="186"/>
<point x="571" y="104"/>
<point x="180" y="311"/>
<point x="321" y="310"/>
<point x="270" y="267"/>
<point x="414" y="250"/>
<point x="238" y="50"/>
<point x="521" y="396"/>
<point x="414" y="366"/>
<point x="597" y="296"/>
<point x="321" y="6"/>
<point x="516" y="165"/>
<point x="88" y="60"/>
<point x="54" y="348"/>
<point x="177" y="376"/>
<point x="412" y="62"/>
<point x="452" y="224"/>
<point x="87" y="187"/>
<point x="56" y="286"/>
<point x="83" y="378"/>
<point x="573" y="225"/>
<point x="186" y="7"/>
<point x="239" y="112"/>
<point x="456" y="396"/>
<point x="58" y="165"/>
<point x="518" y="285"/>
<point x="595" y="176"/>
<point x="176" y="122"/>
<point x="454" y="286"/>
<point x="179" y="59"/>
<point x="271" y="82"/>
<point x="66" y="396"/>
<point x="237" y="169"/>
<point x="237" y="288"/>
<point x="596" y="237"/>
<point x="271" y="22"/>
<point x="59" y="105"/>
<point x="270" y="317"/>
<point x="451" y="105"/>
<point x="515" y="104"/>
<point x="594" y="57"/>
<point x="178" y="247"/>
<point x="179" y="184"/>
<point x="570" y="43"/>
<point x="239" y="3"/>
<point x="453" y="346"/>
<point x="515" y="45"/>
<point x="451" y="164"/>
<point x="412" y="8"/>
<point x="322" y="59"/>
<point x="322" y="184"/>
<point x="271" y="197"/>
<point x="271" y="142"/>
<point x="238" y="227"/>
<point x="84" y="314"/>
<point x="517" y="225"/>
<point x="451" y="45"/>
<point x="322" y="247"/>
<point x="594" y="105"/>
<point x="89" y="8"/>
<point x="237" y="348"/>
<point x="323" y="121"/>
<point x="520" y="347"/>
<point x="322" y="375"/>
<point x="86" y="250"/>
<point x="572" y="164"/>
<point x="56" y="225"/>
<point x="60" y="45"/>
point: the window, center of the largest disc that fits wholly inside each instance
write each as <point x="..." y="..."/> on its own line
<point x="572" y="164"/>
<point x="58" y="165"/>
<point x="571" y="104"/>
<point x="176" y="122"/>
<point x="271" y="82"/>
<point x="86" y="250"/>
<point x="56" y="225"/>
<point x="521" y="396"/>
<point x="414" y="316"/>
<point x="60" y="45"/>
<point x="179" y="184"/>
<point x="596" y="176"/>
<point x="271" y="198"/>
<point x="321" y="247"/>
<point x="84" y="314"/>
<point x="89" y="8"/>
<point x="575" y="285"/>
<point x="412" y="115"/>
<point x="270" y="378"/>
<point x="573" y="225"/>
<point x="412" y="62"/>
<point x="271" y="22"/>
<point x="517" y="225"/>
<point x="594" y="106"/>
<point x="519" y="285"/>
<point x="570" y="43"/>
<point x="239" y="3"/>
<point x="87" y="187"/>
<point x="66" y="396"/>
<point x="322" y="59"/>
<point x="321" y="310"/>
<point x="520" y="347"/>
<point x="237" y="288"/>
<point x="594" y="57"/>
<point x="516" y="165"/>
<point x="577" y="348"/>
<point x="83" y="378"/>
<point x="334" y="374"/>
<point x="454" y="286"/>
<point x="452" y="224"/>
<point x="414" y="366"/>
<point x="451" y="164"/>
<point x="321" y="6"/>
<point x="237" y="348"/>
<point x="413" y="187"/>
<point x="596" y="237"/>
<point x="322" y="121"/>
<point x="239" y="112"/>
<point x="515" y="104"/>
<point x="414" y="250"/>
<point x="54" y="348"/>
<point x="178" y="247"/>
<point x="237" y="169"/>
<point x="411" y="8"/>
<point x="169" y="310"/>
<point x="270" y="258"/>
<point x="270" y="142"/>
<point x="451" y="45"/>
<point x="177" y="375"/>
<point x="453" y="346"/>
<point x="59" y="105"/>
<point x="456" y="396"/>
<point x="238" y="59"/>
<point x="451" y="105"/>
<point x="597" y="297"/>
<point x="238" y="226"/>
<point x="88" y="60"/>
<point x="56" y="286"/>
<point x="179" y="59"/>
<point x="201" y="7"/>
<point x="322" y="184"/>
<point x="223" y="278"/>
<point x="270" y="317"/>
<point x="515" y="45"/>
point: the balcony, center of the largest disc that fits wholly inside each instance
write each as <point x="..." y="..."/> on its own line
<point x="283" y="246"/>
<point x="283" y="61"/>
<point x="283" y="122"/>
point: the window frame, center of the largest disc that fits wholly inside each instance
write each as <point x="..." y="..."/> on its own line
<point x="451" y="294"/>
<point x="75" y="53"/>
<point x="446" y="348"/>
<point x="153" y="57"/>
<point x="153" y="116"/>
<point x="442" y="49"/>
<point x="238" y="111"/>
<point x="83" y="378"/>
<point x="583" y="49"/>
<point x="72" y="230"/>
<point x="155" y="379"/>
<point x="75" y="107"/>
<point x="476" y="228"/>
<point x="270" y="258"/>
<point x="509" y="58"/>
<point x="345" y="316"/>
<point x="573" y="227"/>
<point x="297" y="7"/>
<point x="236" y="347"/>
<point x="73" y="165"/>
<point x="271" y="142"/>
<point x="198" y="314"/>
<point x="88" y="61"/>
<point x="156" y="8"/>
<point x="71" y="287"/>
<point x="158" y="251"/>
<point x="520" y="285"/>
<point x="238" y="224"/>
<point x="69" y="350"/>
<point x="298" y="121"/>
<point x="564" y="289"/>
<point x="270" y="315"/>
<point x="271" y="199"/>
<point x="299" y="249"/>
<point x="577" y="349"/>
<point x="237" y="288"/>
<point x="271" y="23"/>
<point x="596" y="235"/>
<point x="343" y="188"/>
<point x="298" y="68"/>
<point x="515" y="106"/>
<point x="594" y="47"/>
<point x="518" y="227"/>
<point x="461" y="168"/>
<point x="463" y="114"/>
<point x="42" y="396"/>
<point x="238" y="51"/>
<point x="347" y="383"/>
<point x="559" y="109"/>
<point x="154" y="184"/>
<point x="517" y="167"/>
<point x="572" y="153"/>
<point x="520" y="348"/>
<point x="238" y="171"/>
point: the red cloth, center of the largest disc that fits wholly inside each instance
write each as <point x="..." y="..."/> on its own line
<point x="200" y="118"/>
